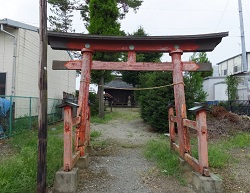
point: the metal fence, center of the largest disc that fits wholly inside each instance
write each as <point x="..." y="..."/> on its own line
<point x="23" y="114"/>
<point x="240" y="107"/>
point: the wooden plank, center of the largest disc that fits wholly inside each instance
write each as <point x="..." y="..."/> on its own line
<point x="189" y="123"/>
<point x="76" y="120"/>
<point x="130" y="66"/>
<point x="75" y="158"/>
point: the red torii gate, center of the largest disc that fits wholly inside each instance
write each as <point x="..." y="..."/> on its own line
<point x="174" y="45"/>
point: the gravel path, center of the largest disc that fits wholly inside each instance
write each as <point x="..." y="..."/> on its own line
<point x="121" y="167"/>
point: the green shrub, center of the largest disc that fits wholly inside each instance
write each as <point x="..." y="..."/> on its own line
<point x="154" y="102"/>
<point x="94" y="105"/>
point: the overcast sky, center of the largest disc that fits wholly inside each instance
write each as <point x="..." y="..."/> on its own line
<point x="164" y="17"/>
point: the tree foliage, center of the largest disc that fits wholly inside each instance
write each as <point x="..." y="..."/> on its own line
<point x="122" y="5"/>
<point x="61" y="20"/>
<point x="133" y="77"/>
<point x="232" y="85"/>
<point x="103" y="21"/>
<point x="201" y="57"/>
<point x="154" y="102"/>
<point x="194" y="81"/>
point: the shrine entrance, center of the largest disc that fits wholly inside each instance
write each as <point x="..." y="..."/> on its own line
<point x="175" y="46"/>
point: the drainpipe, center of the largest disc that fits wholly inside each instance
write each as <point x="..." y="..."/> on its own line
<point x="14" y="60"/>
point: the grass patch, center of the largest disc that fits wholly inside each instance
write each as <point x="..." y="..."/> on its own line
<point x="240" y="140"/>
<point x="218" y="152"/>
<point x="18" y="172"/>
<point x="119" y="114"/>
<point x="100" y="144"/>
<point x="166" y="159"/>
<point x="129" y="146"/>
<point x="95" y="134"/>
<point x="219" y="155"/>
<point x="108" y="117"/>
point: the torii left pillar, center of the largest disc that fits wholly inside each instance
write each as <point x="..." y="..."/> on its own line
<point x="83" y="129"/>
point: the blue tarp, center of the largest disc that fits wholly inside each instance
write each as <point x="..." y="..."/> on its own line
<point x="4" y="106"/>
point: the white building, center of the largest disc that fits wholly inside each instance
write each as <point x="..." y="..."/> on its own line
<point x="216" y="86"/>
<point x="19" y="63"/>
<point x="232" y="65"/>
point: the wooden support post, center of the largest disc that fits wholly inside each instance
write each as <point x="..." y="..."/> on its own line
<point x="180" y="103"/>
<point x="84" y="98"/>
<point x="171" y="126"/>
<point x="67" y="155"/>
<point x="42" y="113"/>
<point x="202" y="141"/>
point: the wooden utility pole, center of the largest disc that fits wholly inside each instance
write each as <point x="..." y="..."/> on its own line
<point x="42" y="114"/>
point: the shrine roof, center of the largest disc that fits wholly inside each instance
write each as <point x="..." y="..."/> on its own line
<point x="187" y="43"/>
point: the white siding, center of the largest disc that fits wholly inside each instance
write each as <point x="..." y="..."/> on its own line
<point x="6" y="57"/>
<point x="60" y="80"/>
<point x="230" y="65"/>
<point x="220" y="92"/>
<point x="28" y="68"/>
<point x="209" y="86"/>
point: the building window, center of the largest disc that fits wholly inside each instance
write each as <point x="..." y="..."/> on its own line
<point x="2" y="83"/>
<point x="235" y="69"/>
<point x="225" y="72"/>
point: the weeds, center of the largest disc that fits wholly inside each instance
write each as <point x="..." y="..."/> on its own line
<point x="95" y="134"/>
<point x="218" y="152"/>
<point x="160" y="152"/>
<point x="116" y="115"/>
<point x="18" y="171"/>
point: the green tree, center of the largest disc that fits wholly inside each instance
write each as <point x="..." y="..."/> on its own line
<point x="201" y="57"/>
<point x="154" y="102"/>
<point x="61" y="20"/>
<point x="133" y="77"/>
<point x="232" y="85"/>
<point x="103" y="21"/>
<point x="194" y="81"/>
<point x="122" y="5"/>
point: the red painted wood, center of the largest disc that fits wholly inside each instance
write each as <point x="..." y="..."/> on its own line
<point x="83" y="97"/>
<point x="171" y="126"/>
<point x="202" y="138"/>
<point x="180" y="103"/>
<point x="131" y="57"/>
<point x="193" y="162"/>
<point x="67" y="155"/>
<point x="189" y="123"/>
<point x="139" y="46"/>
<point x="138" y="66"/>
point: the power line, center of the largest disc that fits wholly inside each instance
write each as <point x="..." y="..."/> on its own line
<point x="222" y="16"/>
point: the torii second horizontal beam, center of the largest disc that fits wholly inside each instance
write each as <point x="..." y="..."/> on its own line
<point x="128" y="66"/>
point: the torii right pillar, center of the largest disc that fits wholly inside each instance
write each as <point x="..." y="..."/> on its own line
<point x="180" y="102"/>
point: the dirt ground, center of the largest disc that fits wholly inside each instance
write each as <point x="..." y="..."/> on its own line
<point x="221" y="125"/>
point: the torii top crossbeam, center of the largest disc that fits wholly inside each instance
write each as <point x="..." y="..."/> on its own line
<point x="187" y="43"/>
